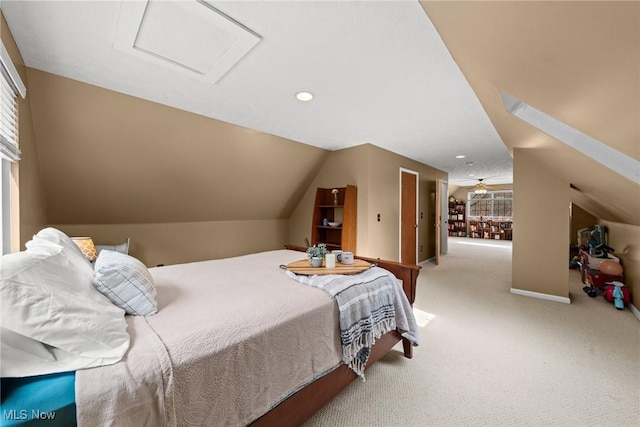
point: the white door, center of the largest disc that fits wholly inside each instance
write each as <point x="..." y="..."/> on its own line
<point x="444" y="215"/>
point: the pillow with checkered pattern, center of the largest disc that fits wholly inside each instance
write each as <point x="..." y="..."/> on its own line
<point x="127" y="283"/>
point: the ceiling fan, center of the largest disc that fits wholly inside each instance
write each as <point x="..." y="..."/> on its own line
<point x="481" y="187"/>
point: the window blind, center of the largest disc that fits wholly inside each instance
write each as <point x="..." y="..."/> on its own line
<point x="10" y="86"/>
<point x="8" y="122"/>
<point x="490" y="205"/>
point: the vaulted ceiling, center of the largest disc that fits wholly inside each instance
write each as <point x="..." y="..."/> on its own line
<point x="379" y="70"/>
<point x="422" y="79"/>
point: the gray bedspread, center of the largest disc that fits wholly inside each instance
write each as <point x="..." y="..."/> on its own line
<point x="371" y="304"/>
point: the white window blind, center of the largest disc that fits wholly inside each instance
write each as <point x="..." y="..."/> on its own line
<point x="8" y="123"/>
<point x="10" y="86"/>
<point x="493" y="205"/>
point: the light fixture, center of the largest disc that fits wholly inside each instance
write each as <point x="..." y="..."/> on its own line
<point x="87" y="247"/>
<point x="469" y="163"/>
<point x="460" y="157"/>
<point x="481" y="188"/>
<point x="304" y="96"/>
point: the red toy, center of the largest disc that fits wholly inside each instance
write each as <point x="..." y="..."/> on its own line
<point x="597" y="280"/>
<point x="618" y="294"/>
<point x="596" y="276"/>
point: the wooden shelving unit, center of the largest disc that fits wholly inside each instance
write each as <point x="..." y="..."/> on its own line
<point x="342" y="210"/>
<point x="457" y="220"/>
<point x="485" y="229"/>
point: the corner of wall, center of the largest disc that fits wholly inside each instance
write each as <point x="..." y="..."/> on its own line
<point x="340" y="168"/>
<point x="540" y="227"/>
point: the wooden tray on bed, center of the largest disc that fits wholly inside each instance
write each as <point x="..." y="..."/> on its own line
<point x="303" y="267"/>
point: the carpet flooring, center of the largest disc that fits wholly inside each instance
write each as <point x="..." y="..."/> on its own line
<point x="491" y="358"/>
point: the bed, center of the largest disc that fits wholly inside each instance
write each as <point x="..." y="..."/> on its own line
<point x="233" y="342"/>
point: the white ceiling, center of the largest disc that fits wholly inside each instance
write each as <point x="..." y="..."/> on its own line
<point x="379" y="71"/>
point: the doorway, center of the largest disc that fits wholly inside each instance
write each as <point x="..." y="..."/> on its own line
<point x="408" y="216"/>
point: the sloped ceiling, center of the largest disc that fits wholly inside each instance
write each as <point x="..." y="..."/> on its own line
<point x="420" y="79"/>
<point x="379" y="71"/>
<point x="576" y="61"/>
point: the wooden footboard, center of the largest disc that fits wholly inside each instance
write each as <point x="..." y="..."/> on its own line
<point x="304" y="403"/>
<point x="300" y="406"/>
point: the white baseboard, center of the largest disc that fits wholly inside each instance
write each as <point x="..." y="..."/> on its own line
<point x="635" y="311"/>
<point x="539" y="295"/>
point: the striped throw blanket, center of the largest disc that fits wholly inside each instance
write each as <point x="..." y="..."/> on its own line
<point x="371" y="304"/>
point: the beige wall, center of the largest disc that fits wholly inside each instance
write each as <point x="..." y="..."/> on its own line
<point x="174" y="243"/>
<point x="376" y="173"/>
<point x="625" y="239"/>
<point x="540" y="227"/>
<point x="129" y="160"/>
<point x="183" y="187"/>
<point x="27" y="193"/>
<point x="384" y="198"/>
<point x="460" y="193"/>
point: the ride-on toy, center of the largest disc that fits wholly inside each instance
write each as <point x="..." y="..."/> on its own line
<point x="617" y="293"/>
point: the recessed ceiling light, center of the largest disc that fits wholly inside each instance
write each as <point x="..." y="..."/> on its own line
<point x="304" y="96"/>
<point x="472" y="174"/>
<point x="460" y="157"/>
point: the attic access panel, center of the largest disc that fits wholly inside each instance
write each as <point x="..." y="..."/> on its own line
<point x="191" y="36"/>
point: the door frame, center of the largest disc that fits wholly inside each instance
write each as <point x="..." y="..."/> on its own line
<point x="441" y="204"/>
<point x="417" y="174"/>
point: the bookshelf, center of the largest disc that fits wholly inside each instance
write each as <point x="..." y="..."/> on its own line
<point x="341" y="210"/>
<point x="491" y="229"/>
<point x="457" y="223"/>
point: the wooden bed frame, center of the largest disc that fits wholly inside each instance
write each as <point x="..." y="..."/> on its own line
<point x="300" y="406"/>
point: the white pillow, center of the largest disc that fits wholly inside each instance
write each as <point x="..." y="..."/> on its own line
<point x="79" y="264"/>
<point x="56" y="236"/>
<point x="126" y="282"/>
<point x="45" y="298"/>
